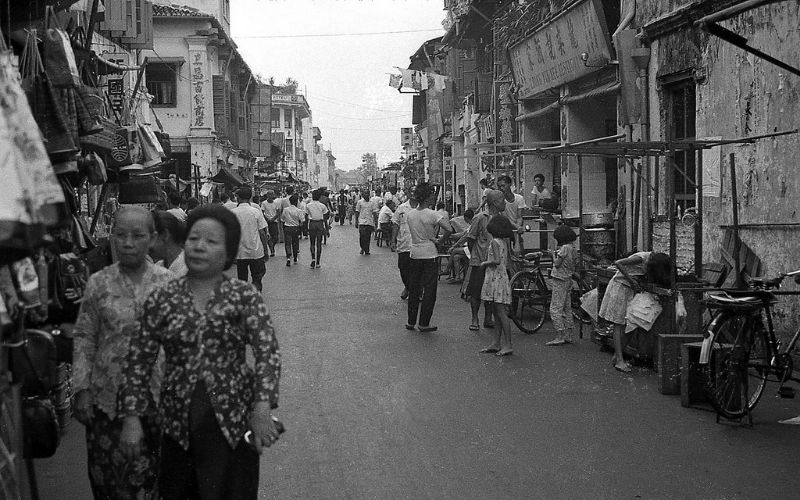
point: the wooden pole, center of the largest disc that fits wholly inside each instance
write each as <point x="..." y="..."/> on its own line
<point x="580" y="211"/>
<point x="698" y="225"/>
<point x="673" y="243"/>
<point x="737" y="268"/>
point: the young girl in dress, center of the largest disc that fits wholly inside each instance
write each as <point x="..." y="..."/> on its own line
<point x="651" y="267"/>
<point x="496" y="291"/>
<point x="564" y="261"/>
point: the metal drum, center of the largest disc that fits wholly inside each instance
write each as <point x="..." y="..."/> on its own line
<point x="598" y="220"/>
<point x="599" y="243"/>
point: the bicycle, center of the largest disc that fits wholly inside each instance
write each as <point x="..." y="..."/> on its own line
<point x="531" y="296"/>
<point x="740" y="354"/>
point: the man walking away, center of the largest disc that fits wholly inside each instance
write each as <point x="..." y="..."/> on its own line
<point x="270" y="210"/>
<point x="385" y="223"/>
<point x="366" y="221"/>
<point x="403" y="237"/>
<point x="175" y="209"/>
<point x="316" y="213"/>
<point x="253" y="242"/>
<point x="292" y="218"/>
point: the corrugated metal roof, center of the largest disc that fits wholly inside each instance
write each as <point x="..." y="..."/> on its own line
<point x="177" y="11"/>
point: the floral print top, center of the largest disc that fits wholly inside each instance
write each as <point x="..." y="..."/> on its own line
<point x="208" y="346"/>
<point x="109" y="317"/>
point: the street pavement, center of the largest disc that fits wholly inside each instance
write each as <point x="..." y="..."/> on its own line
<point x="375" y="411"/>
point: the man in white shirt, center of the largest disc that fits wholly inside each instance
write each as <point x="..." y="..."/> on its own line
<point x="514" y="203"/>
<point x="424" y="224"/>
<point x="385" y="222"/>
<point x="316" y="212"/>
<point x="174" y="200"/>
<point x="168" y="247"/>
<point x="377" y="201"/>
<point x="226" y="201"/>
<point x="269" y="207"/>
<point x="401" y="235"/>
<point x="366" y="215"/>
<point x="251" y="253"/>
<point x="539" y="192"/>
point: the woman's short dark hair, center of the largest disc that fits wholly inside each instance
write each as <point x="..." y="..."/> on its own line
<point x="165" y="221"/>
<point x="233" y="231"/>
<point x="539" y="176"/>
<point x="659" y="269"/>
<point x="500" y="227"/>
<point x="293" y="199"/>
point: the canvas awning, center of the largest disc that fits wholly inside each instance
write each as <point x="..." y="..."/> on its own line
<point x="228" y="177"/>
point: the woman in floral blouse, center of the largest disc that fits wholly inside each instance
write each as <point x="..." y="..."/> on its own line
<point x="210" y="397"/>
<point x="109" y="315"/>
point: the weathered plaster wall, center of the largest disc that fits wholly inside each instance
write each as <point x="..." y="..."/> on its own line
<point x="746" y="96"/>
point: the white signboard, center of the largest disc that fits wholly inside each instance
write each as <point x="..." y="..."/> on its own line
<point x="552" y="56"/>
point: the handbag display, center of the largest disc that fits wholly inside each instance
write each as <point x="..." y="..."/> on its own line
<point x="139" y="190"/>
<point x="59" y="59"/>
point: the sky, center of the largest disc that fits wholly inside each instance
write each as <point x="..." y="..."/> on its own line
<point x="345" y="77"/>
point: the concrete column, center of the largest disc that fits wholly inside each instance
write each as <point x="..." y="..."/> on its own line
<point x="202" y="107"/>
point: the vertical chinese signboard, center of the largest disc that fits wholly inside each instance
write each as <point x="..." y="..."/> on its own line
<point x="552" y="56"/>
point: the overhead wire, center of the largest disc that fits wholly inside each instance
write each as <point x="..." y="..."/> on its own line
<point x="316" y="35"/>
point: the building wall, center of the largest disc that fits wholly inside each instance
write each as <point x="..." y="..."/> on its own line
<point x="739" y="95"/>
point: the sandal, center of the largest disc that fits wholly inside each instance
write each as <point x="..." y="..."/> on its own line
<point x="489" y="350"/>
<point x="474" y="328"/>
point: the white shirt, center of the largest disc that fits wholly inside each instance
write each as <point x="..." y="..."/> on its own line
<point x="377" y="201"/>
<point x="365" y="210"/>
<point x="292" y="216"/>
<point x="178" y="213"/>
<point x="270" y="209"/>
<point x="230" y="205"/>
<point x="513" y="208"/>
<point x="400" y="218"/>
<point x="178" y="266"/>
<point x="252" y="220"/>
<point x="385" y="215"/>
<point x="316" y="210"/>
<point x="422" y="224"/>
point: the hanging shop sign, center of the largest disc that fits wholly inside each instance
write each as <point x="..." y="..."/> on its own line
<point x="551" y="56"/>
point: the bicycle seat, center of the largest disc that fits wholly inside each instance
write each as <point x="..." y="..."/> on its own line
<point x="532" y="256"/>
<point x="739" y="301"/>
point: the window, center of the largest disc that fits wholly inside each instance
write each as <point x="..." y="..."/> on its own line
<point x="682" y="116"/>
<point x="289" y="149"/>
<point x="276" y="118"/>
<point x="162" y="83"/>
<point x="287" y="118"/>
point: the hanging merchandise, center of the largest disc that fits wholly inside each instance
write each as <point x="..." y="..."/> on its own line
<point x="121" y="150"/>
<point x="44" y="102"/>
<point x="152" y="153"/>
<point x="93" y="167"/>
<point x="139" y="190"/>
<point x="30" y="189"/>
<point x="59" y="59"/>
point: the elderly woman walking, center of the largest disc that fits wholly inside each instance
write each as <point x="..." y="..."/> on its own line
<point x="107" y="324"/>
<point x="216" y="410"/>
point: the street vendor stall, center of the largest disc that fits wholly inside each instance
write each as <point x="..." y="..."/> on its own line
<point x="691" y="281"/>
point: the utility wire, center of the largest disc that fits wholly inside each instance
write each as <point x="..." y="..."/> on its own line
<point x="314" y="35"/>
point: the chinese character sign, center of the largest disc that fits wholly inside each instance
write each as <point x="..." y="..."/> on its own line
<point x="198" y="82"/>
<point x="552" y="56"/>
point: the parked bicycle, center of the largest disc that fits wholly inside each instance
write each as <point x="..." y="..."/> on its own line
<point x="741" y="352"/>
<point x="531" y="295"/>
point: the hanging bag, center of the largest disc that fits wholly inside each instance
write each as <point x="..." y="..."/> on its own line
<point x="59" y="59"/>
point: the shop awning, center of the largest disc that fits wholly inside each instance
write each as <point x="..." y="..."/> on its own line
<point x="229" y="177"/>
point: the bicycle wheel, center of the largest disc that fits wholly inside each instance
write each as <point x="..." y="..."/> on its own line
<point x="579" y="287"/>
<point x="529" y="302"/>
<point x="737" y="372"/>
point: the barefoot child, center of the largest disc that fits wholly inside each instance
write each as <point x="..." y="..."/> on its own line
<point x="496" y="291"/>
<point x="564" y="262"/>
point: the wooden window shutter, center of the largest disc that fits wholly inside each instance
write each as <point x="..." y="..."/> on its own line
<point x="417" y="110"/>
<point x="144" y="28"/>
<point x="115" y="16"/>
<point x="220" y="105"/>
<point x="483" y="92"/>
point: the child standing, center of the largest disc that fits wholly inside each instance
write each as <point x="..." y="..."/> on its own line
<point x="496" y="291"/>
<point x="564" y="261"/>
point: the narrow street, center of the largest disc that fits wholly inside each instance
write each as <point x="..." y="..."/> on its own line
<point x="375" y="411"/>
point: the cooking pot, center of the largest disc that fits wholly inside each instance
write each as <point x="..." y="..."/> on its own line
<point x="602" y="219"/>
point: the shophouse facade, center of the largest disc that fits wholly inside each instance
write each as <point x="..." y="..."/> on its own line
<point x="204" y="93"/>
<point x="288" y="113"/>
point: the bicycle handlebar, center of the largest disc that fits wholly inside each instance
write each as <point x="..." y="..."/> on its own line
<point x="766" y="284"/>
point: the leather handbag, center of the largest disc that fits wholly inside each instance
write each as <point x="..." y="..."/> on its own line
<point x="139" y="190"/>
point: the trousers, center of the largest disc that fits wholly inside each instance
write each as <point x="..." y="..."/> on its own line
<point x="291" y="241"/>
<point x="257" y="269"/>
<point x="561" y="304"/>
<point x="423" y="278"/>
<point x="364" y="235"/>
<point x="210" y="469"/>
<point x="404" y="265"/>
